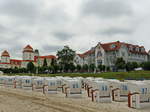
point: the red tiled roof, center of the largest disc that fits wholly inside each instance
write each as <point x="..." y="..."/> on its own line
<point x="117" y="46"/>
<point x="27" y="60"/>
<point x="48" y="57"/>
<point x="28" y="48"/>
<point x="86" y="53"/>
<point x="80" y="55"/>
<point x="4" y="63"/>
<point x="5" y="53"/>
<point x="15" y="62"/>
<point x="44" y="57"/>
<point x="107" y="47"/>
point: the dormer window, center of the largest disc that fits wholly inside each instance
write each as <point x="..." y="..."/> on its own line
<point x="143" y="49"/>
<point x="130" y="48"/>
<point x="137" y="49"/>
<point x="113" y="46"/>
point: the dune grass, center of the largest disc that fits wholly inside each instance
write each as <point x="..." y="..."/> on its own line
<point x="136" y="75"/>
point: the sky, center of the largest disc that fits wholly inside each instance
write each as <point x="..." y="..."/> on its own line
<point x="48" y="25"/>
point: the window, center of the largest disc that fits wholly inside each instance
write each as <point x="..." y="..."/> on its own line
<point x="75" y="86"/>
<point x="59" y="82"/>
<point x="30" y="56"/>
<point x="99" y="62"/>
<point x="52" y="83"/>
<point x="124" y="87"/>
<point x="9" y="80"/>
<point x="123" y="53"/>
<point x="27" y="81"/>
<point x="104" y="88"/>
<point x="137" y="49"/>
<point x="39" y="82"/>
<point x="144" y="90"/>
<point x="142" y="49"/>
<point x="130" y="48"/>
<point x="112" y="46"/>
<point x="99" y="54"/>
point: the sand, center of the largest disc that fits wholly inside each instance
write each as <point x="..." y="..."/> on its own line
<point x="17" y="100"/>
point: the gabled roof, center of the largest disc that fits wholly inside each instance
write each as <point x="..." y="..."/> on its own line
<point x="114" y="46"/>
<point x="28" y="48"/>
<point x="5" y="53"/>
<point x="86" y="53"/>
<point x="80" y="55"/>
<point x="107" y="46"/>
<point x="117" y="45"/>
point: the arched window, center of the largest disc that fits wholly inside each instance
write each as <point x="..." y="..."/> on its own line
<point x="99" y="54"/>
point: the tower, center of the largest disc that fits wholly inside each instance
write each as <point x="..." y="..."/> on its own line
<point x="28" y="53"/>
<point x="36" y="53"/>
<point x="5" y="57"/>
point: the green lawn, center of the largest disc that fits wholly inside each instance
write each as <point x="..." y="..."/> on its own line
<point x="109" y="75"/>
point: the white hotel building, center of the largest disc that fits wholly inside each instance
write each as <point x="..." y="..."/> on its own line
<point x="107" y="53"/>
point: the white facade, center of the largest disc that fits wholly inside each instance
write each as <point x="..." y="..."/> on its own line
<point x="28" y="56"/>
<point x="107" y="54"/>
<point x="5" y="59"/>
<point x="78" y="60"/>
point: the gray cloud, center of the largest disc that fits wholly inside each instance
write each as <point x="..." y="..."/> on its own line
<point x="20" y="8"/>
<point x="48" y="25"/>
<point x="115" y="31"/>
<point x="106" y="8"/>
<point x="3" y="28"/>
<point x="51" y="48"/>
<point x="63" y="35"/>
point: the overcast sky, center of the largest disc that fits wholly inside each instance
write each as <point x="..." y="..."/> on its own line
<point x="48" y="25"/>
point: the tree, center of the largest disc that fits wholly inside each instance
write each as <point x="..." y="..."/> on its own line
<point x="135" y="65"/>
<point x="103" y="67"/>
<point x="30" y="67"/>
<point x="65" y="57"/>
<point x="54" y="66"/>
<point x="78" y="67"/>
<point x="120" y="63"/>
<point x="100" y="67"/>
<point x="108" y="68"/>
<point x="45" y="63"/>
<point x="146" y="65"/>
<point x="129" y="66"/>
<point x="72" y="67"/>
<point x="92" y="67"/>
<point x="85" y="67"/>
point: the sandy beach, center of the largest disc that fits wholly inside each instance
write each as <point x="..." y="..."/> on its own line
<point x="16" y="100"/>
